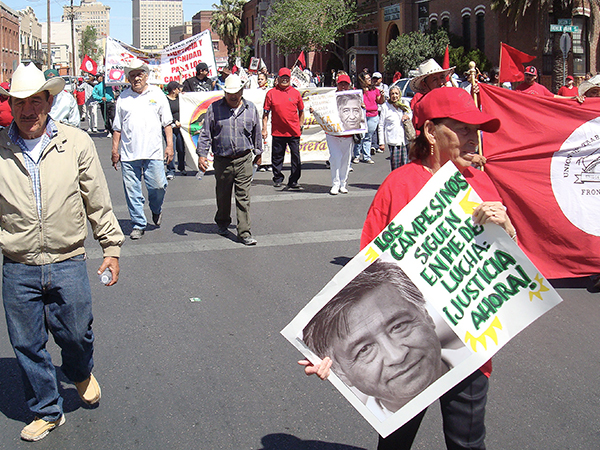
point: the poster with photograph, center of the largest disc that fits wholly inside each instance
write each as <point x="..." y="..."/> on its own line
<point x="430" y="300"/>
<point x="340" y="113"/>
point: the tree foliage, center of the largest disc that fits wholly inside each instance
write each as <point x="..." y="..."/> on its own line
<point x="409" y="50"/>
<point x="309" y="25"/>
<point x="89" y="45"/>
<point x="461" y="59"/>
<point x="226" y="21"/>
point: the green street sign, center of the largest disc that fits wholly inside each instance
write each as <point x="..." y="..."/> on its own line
<point x="565" y="22"/>
<point x="570" y="29"/>
<point x="556" y="28"/>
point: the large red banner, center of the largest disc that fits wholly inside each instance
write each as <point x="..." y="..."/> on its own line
<point x="545" y="162"/>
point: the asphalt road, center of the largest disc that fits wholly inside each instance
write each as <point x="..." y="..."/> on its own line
<point x="215" y="373"/>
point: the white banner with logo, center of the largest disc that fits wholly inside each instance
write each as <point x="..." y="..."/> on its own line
<point x="193" y="106"/>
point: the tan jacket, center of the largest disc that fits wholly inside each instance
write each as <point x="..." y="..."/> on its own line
<point x="73" y="187"/>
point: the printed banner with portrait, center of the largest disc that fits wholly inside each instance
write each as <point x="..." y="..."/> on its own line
<point x="193" y="106"/>
<point x="340" y="113"/>
<point x="176" y="62"/>
<point x="422" y="307"/>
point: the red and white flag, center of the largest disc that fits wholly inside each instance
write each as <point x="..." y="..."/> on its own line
<point x="545" y="162"/>
<point x="511" y="63"/>
<point x="89" y="65"/>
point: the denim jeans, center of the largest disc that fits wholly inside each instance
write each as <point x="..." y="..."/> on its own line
<point x="364" y="147"/>
<point x="179" y="148"/>
<point x="54" y="297"/>
<point x="156" y="183"/>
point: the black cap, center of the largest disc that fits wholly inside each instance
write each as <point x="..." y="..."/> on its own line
<point x="201" y="66"/>
<point x="172" y="86"/>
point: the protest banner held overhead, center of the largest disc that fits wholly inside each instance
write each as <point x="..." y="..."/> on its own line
<point x="433" y="292"/>
<point x="544" y="162"/>
<point x="176" y="62"/>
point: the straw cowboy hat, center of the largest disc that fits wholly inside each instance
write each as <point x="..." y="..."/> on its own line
<point x="136" y="64"/>
<point x="29" y="80"/>
<point x="427" y="68"/>
<point x="233" y="84"/>
<point x="589" y="84"/>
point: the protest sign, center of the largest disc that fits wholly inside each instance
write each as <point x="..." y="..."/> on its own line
<point x="176" y="62"/>
<point x="422" y="307"/>
<point x="193" y="106"/>
<point x="299" y="78"/>
<point x="340" y="113"/>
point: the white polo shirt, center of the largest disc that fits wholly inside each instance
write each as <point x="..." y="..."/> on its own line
<point x="140" y="118"/>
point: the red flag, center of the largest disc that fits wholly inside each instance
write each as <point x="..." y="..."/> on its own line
<point x="545" y="162"/>
<point x="511" y="63"/>
<point x="89" y="65"/>
<point x="302" y="60"/>
<point x="446" y="63"/>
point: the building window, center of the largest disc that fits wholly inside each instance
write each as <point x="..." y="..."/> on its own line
<point x="215" y="46"/>
<point x="466" y="29"/>
<point x="480" y="24"/>
<point x="446" y="23"/>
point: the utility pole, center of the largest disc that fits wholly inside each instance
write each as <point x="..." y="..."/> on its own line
<point x="48" y="44"/>
<point x="72" y="41"/>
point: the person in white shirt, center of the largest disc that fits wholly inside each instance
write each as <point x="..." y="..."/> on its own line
<point x="64" y="108"/>
<point x="141" y="111"/>
<point x="394" y="113"/>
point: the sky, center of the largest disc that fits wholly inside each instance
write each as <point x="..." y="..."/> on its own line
<point x="120" y="12"/>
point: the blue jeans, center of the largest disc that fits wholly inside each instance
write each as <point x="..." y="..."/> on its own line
<point x="179" y="148"/>
<point x="54" y="297"/>
<point x="364" y="147"/>
<point x="156" y="183"/>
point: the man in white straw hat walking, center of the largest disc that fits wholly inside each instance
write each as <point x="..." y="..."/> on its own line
<point x="431" y="76"/>
<point x="141" y="111"/>
<point x="232" y="129"/>
<point x="51" y="180"/>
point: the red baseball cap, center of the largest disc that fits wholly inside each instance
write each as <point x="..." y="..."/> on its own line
<point x="453" y="103"/>
<point x="284" y="71"/>
<point x="530" y="70"/>
<point x="569" y="77"/>
<point x="343" y="77"/>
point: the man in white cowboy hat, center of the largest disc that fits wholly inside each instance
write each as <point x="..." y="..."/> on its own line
<point x="431" y="76"/>
<point x="51" y="180"/>
<point x="141" y="111"/>
<point x="591" y="87"/>
<point x="232" y="129"/>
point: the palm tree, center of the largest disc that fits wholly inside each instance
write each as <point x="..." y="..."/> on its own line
<point x="226" y="21"/>
<point x="516" y="9"/>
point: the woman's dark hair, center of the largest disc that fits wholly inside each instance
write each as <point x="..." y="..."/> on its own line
<point x="362" y="79"/>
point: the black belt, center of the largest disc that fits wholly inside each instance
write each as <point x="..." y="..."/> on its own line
<point x="235" y="156"/>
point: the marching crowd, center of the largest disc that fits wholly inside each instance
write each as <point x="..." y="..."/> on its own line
<point x="51" y="181"/>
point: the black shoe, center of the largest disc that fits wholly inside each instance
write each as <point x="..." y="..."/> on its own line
<point x="247" y="240"/>
<point x="294" y="186"/>
<point x="183" y="173"/>
<point x="222" y="231"/>
<point x="157" y="218"/>
<point x="276" y="183"/>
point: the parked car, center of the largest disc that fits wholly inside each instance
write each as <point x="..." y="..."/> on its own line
<point x="405" y="91"/>
<point x="70" y="82"/>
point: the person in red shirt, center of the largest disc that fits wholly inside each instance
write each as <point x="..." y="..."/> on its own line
<point x="5" y="112"/>
<point x="531" y="86"/>
<point x="286" y="126"/>
<point x="569" y="89"/>
<point x="80" y="98"/>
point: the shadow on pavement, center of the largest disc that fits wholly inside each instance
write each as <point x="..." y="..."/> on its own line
<point x="280" y="441"/>
<point x="340" y="260"/>
<point x="12" y="399"/>
<point x="573" y="283"/>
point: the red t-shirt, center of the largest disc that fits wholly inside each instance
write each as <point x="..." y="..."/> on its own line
<point x="536" y="89"/>
<point x="5" y="114"/>
<point x="400" y="187"/>
<point x="285" y="106"/>
<point x="568" y="92"/>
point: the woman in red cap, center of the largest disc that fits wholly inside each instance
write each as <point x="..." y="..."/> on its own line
<point x="449" y="122"/>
